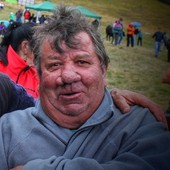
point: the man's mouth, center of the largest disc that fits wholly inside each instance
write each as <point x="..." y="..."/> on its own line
<point x="69" y="94"/>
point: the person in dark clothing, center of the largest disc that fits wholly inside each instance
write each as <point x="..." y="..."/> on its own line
<point x="2" y="28"/>
<point x="18" y="15"/>
<point x="96" y="23"/>
<point x="168" y="48"/>
<point x="42" y="19"/>
<point x="32" y="19"/>
<point x="165" y="39"/>
<point x="158" y="36"/>
<point x="13" y="96"/>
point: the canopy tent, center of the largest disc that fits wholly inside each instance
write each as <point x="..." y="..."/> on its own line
<point x="44" y="6"/>
<point x="87" y="12"/>
<point x="49" y="6"/>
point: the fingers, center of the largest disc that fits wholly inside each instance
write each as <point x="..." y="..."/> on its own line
<point x="120" y="101"/>
<point x="157" y="112"/>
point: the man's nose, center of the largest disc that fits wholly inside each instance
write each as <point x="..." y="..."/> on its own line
<point x="70" y="74"/>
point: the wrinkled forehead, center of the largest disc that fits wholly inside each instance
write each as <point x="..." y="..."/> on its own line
<point x="80" y="40"/>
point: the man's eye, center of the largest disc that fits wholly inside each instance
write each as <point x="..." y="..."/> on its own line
<point x="56" y="64"/>
<point x="82" y="62"/>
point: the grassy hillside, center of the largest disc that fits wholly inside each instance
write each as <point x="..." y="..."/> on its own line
<point x="130" y="68"/>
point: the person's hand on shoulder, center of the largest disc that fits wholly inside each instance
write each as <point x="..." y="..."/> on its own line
<point x="125" y="98"/>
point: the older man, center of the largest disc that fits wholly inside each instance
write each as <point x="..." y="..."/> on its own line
<point x="75" y="124"/>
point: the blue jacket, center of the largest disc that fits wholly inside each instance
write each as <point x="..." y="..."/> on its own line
<point x="108" y="140"/>
<point x="158" y="36"/>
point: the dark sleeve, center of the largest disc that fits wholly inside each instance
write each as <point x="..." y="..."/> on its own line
<point x="20" y="99"/>
<point x="12" y="96"/>
<point x="5" y="93"/>
<point x="3" y="58"/>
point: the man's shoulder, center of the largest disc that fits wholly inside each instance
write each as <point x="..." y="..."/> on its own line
<point x="17" y="125"/>
<point x="138" y="116"/>
<point x="138" y="120"/>
<point x="18" y="117"/>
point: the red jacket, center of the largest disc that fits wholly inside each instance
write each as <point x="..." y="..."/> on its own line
<point x="20" y="72"/>
<point x="130" y="30"/>
<point x="27" y="15"/>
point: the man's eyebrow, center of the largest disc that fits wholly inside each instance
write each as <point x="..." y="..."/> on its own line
<point x="53" y="57"/>
<point x="84" y="55"/>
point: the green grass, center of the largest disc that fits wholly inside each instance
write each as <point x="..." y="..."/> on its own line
<point x="130" y="68"/>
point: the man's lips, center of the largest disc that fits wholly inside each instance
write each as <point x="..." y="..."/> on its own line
<point x="70" y="95"/>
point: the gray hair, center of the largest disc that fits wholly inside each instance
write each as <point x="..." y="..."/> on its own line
<point x="63" y="25"/>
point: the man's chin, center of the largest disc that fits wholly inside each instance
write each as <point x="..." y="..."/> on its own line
<point x="74" y="109"/>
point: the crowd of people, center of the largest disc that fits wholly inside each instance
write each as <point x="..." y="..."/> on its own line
<point x="134" y="36"/>
<point x="68" y="60"/>
<point x="117" y="31"/>
<point x="25" y="16"/>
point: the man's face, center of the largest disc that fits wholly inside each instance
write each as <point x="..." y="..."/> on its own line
<point x="71" y="84"/>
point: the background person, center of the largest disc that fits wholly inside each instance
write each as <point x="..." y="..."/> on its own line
<point x="130" y="35"/>
<point x="27" y="15"/>
<point x="2" y="5"/>
<point x="16" y="57"/>
<point x="42" y="19"/>
<point x="168" y="49"/>
<point x="2" y="29"/>
<point x="76" y="108"/>
<point x="11" y="17"/>
<point x="121" y="32"/>
<point x="139" y="38"/>
<point x="158" y="36"/>
<point x="96" y="23"/>
<point x="32" y="18"/>
<point x="18" y="15"/>
<point x="117" y="29"/>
